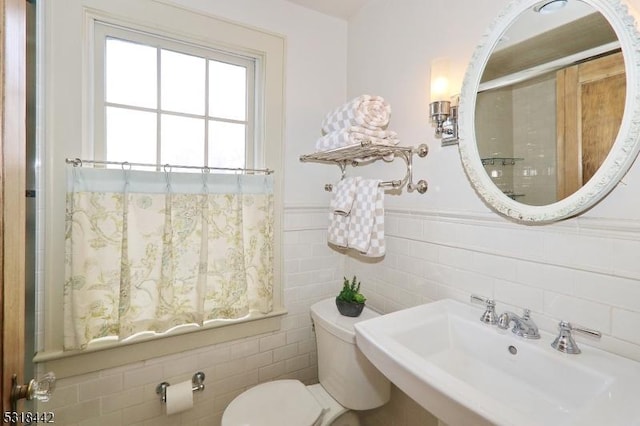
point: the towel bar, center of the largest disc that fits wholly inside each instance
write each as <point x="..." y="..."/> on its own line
<point x="367" y="152"/>
<point x="385" y="184"/>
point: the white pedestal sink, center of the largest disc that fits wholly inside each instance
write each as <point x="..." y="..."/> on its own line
<point x="467" y="373"/>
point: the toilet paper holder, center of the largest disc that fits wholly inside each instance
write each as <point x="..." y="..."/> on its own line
<point x="197" y="380"/>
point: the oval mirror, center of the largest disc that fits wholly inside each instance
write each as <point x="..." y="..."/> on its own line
<point x="549" y="110"/>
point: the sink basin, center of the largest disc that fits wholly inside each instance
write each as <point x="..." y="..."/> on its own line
<point x="467" y="372"/>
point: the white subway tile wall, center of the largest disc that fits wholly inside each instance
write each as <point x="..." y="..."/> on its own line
<point x="583" y="271"/>
<point x="563" y="271"/>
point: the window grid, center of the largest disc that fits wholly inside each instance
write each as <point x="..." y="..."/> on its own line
<point x="148" y="40"/>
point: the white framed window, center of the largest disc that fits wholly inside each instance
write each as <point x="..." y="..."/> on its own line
<point x="164" y="101"/>
<point x="75" y="123"/>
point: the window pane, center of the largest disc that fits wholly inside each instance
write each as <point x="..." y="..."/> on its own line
<point x="182" y="140"/>
<point x="227" y="91"/>
<point x="226" y="144"/>
<point x="131" y="135"/>
<point x="131" y="74"/>
<point x="183" y="78"/>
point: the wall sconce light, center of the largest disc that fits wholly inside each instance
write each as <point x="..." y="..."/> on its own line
<point x="443" y="114"/>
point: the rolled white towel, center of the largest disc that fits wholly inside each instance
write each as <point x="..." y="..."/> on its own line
<point x="354" y="136"/>
<point x="371" y="112"/>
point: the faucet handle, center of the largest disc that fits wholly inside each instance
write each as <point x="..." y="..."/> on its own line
<point x="489" y="316"/>
<point x="565" y="342"/>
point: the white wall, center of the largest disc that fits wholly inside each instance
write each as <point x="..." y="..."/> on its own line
<point x="447" y="243"/>
<point x="391" y="45"/>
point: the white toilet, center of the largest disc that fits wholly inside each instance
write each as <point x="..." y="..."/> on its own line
<point x="348" y="381"/>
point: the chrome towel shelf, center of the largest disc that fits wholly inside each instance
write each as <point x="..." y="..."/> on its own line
<point x="367" y="152"/>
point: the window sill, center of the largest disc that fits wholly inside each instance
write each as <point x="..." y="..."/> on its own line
<point x="67" y="364"/>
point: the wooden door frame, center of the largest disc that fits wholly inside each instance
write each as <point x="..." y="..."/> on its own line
<point x="12" y="191"/>
<point x="571" y="82"/>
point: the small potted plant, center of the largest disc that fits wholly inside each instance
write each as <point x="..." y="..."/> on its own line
<point x="350" y="301"/>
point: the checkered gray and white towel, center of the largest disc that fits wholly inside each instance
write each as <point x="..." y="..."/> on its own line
<point x="362" y="228"/>
<point x="355" y="135"/>
<point x="344" y="196"/>
<point x="366" y="229"/>
<point x="371" y="112"/>
<point x="338" y="233"/>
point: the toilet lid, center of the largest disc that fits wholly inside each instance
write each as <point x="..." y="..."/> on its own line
<point x="277" y="403"/>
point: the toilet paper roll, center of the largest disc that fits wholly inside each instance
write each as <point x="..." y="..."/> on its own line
<point x="179" y="397"/>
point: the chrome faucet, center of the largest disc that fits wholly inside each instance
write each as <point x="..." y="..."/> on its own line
<point x="522" y="326"/>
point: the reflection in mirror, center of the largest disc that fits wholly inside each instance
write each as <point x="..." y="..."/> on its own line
<point x="580" y="182"/>
<point x="550" y="102"/>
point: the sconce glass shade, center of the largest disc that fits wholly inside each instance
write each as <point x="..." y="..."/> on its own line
<point x="440" y="85"/>
<point x="441" y="112"/>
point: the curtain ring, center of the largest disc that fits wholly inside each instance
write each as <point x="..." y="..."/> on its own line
<point x="124" y="163"/>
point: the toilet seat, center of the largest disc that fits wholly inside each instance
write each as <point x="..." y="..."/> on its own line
<point x="277" y="403"/>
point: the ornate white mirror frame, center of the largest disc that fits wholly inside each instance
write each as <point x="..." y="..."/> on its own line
<point x="623" y="151"/>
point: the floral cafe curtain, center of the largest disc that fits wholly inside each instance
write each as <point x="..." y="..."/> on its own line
<point x="149" y="251"/>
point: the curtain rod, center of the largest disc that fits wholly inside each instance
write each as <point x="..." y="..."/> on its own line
<point x="167" y="167"/>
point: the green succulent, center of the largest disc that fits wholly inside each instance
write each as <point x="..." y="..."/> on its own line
<point x="351" y="291"/>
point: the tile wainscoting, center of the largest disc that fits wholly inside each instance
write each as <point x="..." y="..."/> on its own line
<point x="582" y="270"/>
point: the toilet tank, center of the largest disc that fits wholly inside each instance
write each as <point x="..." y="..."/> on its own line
<point x="343" y="370"/>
